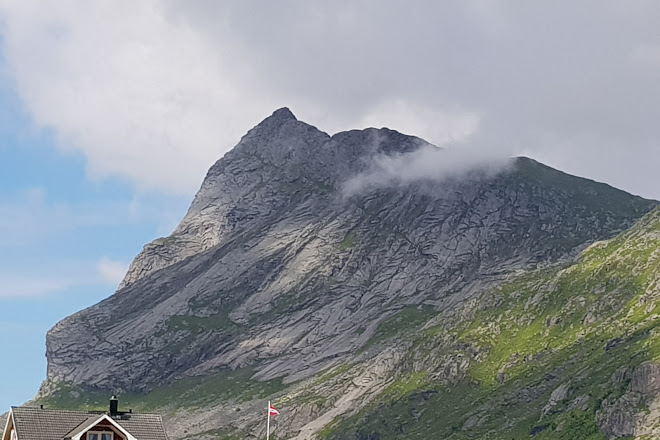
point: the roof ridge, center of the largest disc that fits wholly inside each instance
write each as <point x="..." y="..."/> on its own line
<point x="82" y="411"/>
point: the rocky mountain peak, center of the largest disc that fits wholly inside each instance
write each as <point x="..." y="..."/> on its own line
<point x="275" y="274"/>
<point x="283" y="114"/>
<point x="278" y="140"/>
<point x="279" y="156"/>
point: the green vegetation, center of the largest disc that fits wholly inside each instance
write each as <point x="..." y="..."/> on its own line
<point x="593" y="195"/>
<point x="196" y="325"/>
<point x="191" y="392"/>
<point x="334" y="372"/>
<point x="405" y="320"/>
<point x="305" y="186"/>
<point x="281" y="305"/>
<point x="219" y="434"/>
<point x="172" y="240"/>
<point x="348" y="242"/>
<point x="574" y="425"/>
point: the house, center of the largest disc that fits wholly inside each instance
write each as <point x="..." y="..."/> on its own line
<point x="39" y="423"/>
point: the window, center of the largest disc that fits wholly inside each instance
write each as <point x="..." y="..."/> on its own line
<point x="106" y="435"/>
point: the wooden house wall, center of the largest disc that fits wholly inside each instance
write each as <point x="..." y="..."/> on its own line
<point x="105" y="426"/>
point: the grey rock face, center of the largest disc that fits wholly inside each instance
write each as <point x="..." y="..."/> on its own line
<point x="274" y="268"/>
<point x="559" y="395"/>
<point x="637" y="411"/>
<point x="617" y="418"/>
<point x="646" y="379"/>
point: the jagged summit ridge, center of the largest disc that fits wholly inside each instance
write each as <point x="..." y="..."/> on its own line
<point x="281" y="150"/>
<point x="283" y="113"/>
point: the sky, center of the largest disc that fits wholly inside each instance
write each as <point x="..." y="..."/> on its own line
<point x="111" y="111"/>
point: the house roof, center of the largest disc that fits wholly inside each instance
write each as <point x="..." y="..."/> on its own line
<point x="54" y="424"/>
<point x="86" y="424"/>
<point x="91" y="422"/>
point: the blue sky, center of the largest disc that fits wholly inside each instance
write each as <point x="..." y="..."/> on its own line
<point x="65" y="241"/>
<point x="111" y="112"/>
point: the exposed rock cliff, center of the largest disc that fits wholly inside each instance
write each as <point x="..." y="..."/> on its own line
<point x="275" y="271"/>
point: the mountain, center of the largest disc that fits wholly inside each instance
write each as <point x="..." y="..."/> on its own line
<point x="365" y="314"/>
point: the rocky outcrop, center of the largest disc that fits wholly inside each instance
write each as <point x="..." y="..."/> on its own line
<point x="637" y="412"/>
<point x="276" y="268"/>
<point x="646" y="379"/>
<point x="559" y="395"/>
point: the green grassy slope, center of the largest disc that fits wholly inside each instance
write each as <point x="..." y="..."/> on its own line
<point x="190" y="393"/>
<point x="573" y="325"/>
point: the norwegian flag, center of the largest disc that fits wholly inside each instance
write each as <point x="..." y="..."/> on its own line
<point x="273" y="411"/>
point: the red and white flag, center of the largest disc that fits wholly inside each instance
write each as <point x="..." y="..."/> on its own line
<point x="272" y="411"/>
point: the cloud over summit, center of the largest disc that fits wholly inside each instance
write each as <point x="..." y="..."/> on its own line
<point x="426" y="163"/>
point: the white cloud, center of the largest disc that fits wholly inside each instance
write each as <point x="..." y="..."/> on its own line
<point x="155" y="91"/>
<point x="432" y="124"/>
<point x="646" y="57"/>
<point x="426" y="163"/>
<point x="112" y="271"/>
<point x="140" y="94"/>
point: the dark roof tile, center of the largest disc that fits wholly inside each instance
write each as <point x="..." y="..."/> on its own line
<point x="54" y="424"/>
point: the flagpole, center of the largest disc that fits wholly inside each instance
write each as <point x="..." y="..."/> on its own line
<point x="268" y="422"/>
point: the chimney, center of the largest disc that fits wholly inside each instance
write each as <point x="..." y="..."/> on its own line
<point x="114" y="405"/>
